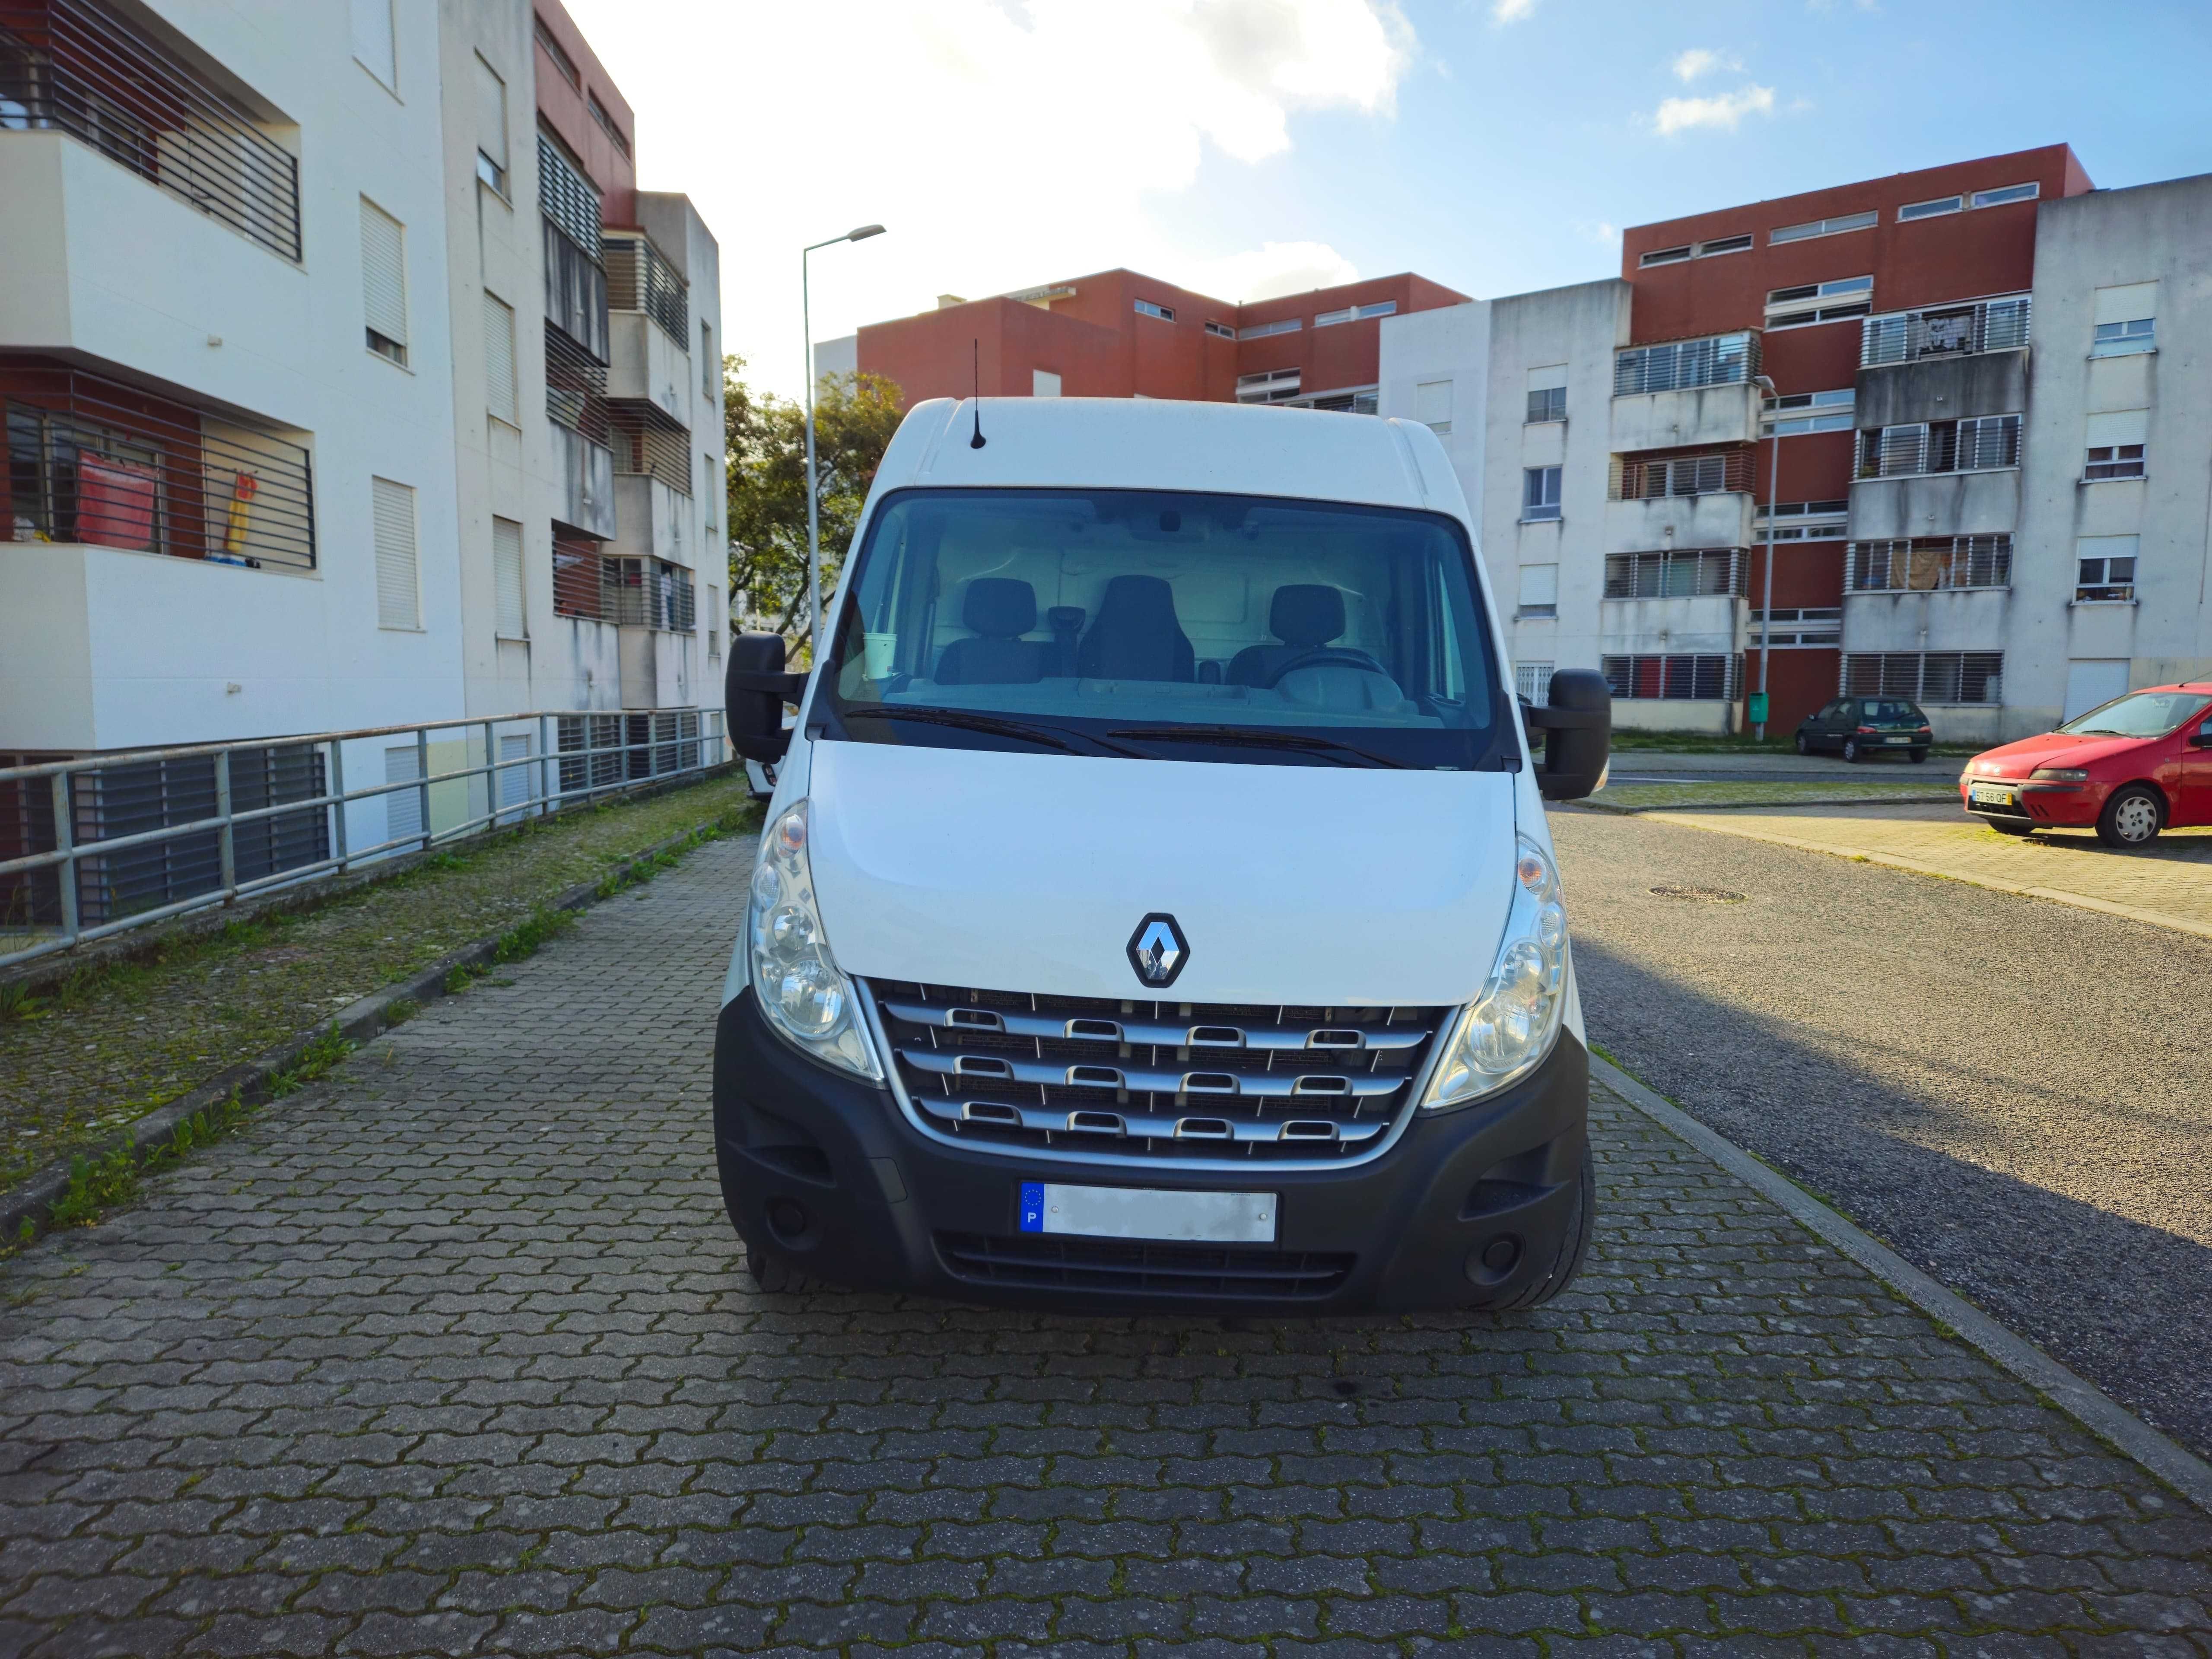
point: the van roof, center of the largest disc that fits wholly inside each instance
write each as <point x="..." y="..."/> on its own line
<point x="1122" y="443"/>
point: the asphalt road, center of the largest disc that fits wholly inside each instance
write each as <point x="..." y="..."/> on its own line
<point x="2016" y="1095"/>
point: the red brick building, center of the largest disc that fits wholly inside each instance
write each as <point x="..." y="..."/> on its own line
<point x="1120" y="334"/>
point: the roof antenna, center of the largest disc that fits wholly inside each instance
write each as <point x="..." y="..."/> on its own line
<point x="976" y="367"/>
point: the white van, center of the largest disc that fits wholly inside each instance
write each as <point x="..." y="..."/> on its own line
<point x="1156" y="907"/>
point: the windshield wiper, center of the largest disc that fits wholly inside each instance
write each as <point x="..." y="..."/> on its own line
<point x="969" y="719"/>
<point x="1254" y="737"/>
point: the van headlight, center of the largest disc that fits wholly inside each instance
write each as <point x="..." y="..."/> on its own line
<point x="1504" y="1034"/>
<point x="800" y="986"/>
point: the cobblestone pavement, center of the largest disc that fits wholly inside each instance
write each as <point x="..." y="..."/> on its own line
<point x="2169" y="881"/>
<point x="449" y="1354"/>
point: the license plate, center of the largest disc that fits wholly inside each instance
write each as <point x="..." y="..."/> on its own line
<point x="1147" y="1212"/>
<point x="1897" y="739"/>
<point x="1988" y="794"/>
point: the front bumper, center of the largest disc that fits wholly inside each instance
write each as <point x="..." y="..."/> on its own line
<point x="2065" y="805"/>
<point x="826" y="1170"/>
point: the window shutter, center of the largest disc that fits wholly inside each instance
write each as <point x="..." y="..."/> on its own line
<point x="383" y="272"/>
<point x="1904" y="450"/>
<point x="499" y="360"/>
<point x="398" y="603"/>
<point x="1432" y="402"/>
<point x="2129" y="303"/>
<point x="2125" y="426"/>
<point x="402" y="808"/>
<point x="491" y="113"/>
<point x="373" y="40"/>
<point x="506" y="578"/>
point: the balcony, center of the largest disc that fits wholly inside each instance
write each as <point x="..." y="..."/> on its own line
<point x="1675" y="574"/>
<point x="652" y="520"/>
<point x="642" y="279"/>
<point x="1957" y="330"/>
<point x="1700" y="414"/>
<point x="1676" y="501"/>
<point x="1929" y="564"/>
<point x="1686" y="365"/>
<point x="73" y="66"/>
<point x="648" y="357"/>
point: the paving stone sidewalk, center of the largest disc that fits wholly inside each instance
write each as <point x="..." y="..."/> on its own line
<point x="449" y="1354"/>
<point x="2168" y="882"/>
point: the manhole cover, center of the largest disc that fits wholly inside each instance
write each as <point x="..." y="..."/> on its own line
<point x="1708" y="895"/>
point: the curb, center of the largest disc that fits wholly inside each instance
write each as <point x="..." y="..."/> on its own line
<point x="33" y="1199"/>
<point x="2173" y="1465"/>
<point x="1900" y="799"/>
<point x="1892" y="860"/>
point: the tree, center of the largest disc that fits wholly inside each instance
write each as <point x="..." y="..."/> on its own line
<point x="765" y="436"/>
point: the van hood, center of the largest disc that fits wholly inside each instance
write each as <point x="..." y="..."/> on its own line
<point x="1334" y="886"/>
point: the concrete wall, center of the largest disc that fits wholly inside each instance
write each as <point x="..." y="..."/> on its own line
<point x="1450" y="345"/>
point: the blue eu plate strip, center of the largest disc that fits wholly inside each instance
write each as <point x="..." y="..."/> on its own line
<point x="1032" y="1206"/>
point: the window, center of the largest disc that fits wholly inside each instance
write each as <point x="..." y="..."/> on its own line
<point x="1981" y="444"/>
<point x="1688" y="678"/>
<point x="374" y="47"/>
<point x="1432" y="405"/>
<point x="1539" y="493"/>
<point x="491" y="126"/>
<point x="2116" y="443"/>
<point x="1343" y="402"/>
<point x="384" y="282"/>
<point x="1795" y="413"/>
<point x="1935" y="209"/>
<point x="1664" y="256"/>
<point x="561" y="61"/>
<point x="2125" y="320"/>
<point x="717" y="618"/>
<point x="1540" y="591"/>
<point x="1272" y="385"/>
<point x="1147" y="308"/>
<point x="1802" y="628"/>
<point x="2008" y="193"/>
<point x="1532" y="682"/>
<point x="1928" y="564"/>
<point x="511" y="622"/>
<point x="2105" y="568"/>
<point x="2125" y="339"/>
<point x="1220" y="331"/>
<point x="1045" y="383"/>
<point x="402" y="808"/>
<point x="1833" y="227"/>
<point x="1355" y="313"/>
<point x="1724" y="244"/>
<point x="391" y="518"/>
<point x="500" y="394"/>
<point x="1806" y="522"/>
<point x="710" y="478"/>
<point x="1261" y="330"/>
<point x="1705" y="250"/>
<point x="1672" y="575"/>
<point x="1679" y="365"/>
<point x="1926" y="677"/>
<point x="606" y="122"/>
<point x="1819" y="302"/>
<point x="1548" y="404"/>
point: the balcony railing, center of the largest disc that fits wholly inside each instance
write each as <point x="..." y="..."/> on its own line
<point x="576" y="386"/>
<point x="578" y="583"/>
<point x="641" y="278"/>
<point x="1925" y="676"/>
<point x="1980" y="443"/>
<point x="1928" y="564"/>
<point x="647" y="440"/>
<point x="1685" y="677"/>
<point x="1671" y="574"/>
<point x="92" y="460"/>
<point x="1903" y="336"/>
<point x="1685" y="365"/>
<point x="74" y="66"/>
<point x="647" y="593"/>
<point x="1649" y="478"/>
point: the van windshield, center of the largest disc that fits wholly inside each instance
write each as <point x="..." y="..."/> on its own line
<point x="1167" y="625"/>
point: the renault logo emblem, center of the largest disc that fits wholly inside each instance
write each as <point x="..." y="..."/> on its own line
<point x="1157" y="950"/>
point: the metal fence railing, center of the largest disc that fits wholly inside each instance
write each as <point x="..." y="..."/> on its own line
<point x="1903" y="336"/>
<point x="1685" y="365"/>
<point x="99" y="844"/>
<point x="640" y="277"/>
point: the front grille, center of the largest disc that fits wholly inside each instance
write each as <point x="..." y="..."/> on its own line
<point x="1166" y="1082"/>
<point x="1151" y="1269"/>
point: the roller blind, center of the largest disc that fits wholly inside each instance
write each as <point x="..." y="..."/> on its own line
<point x="506" y="578"/>
<point x="499" y="360"/>
<point x="2125" y="425"/>
<point x="391" y="512"/>
<point x="1544" y="378"/>
<point x="372" y="41"/>
<point x="491" y="113"/>
<point x="383" y="272"/>
<point x="2128" y="304"/>
<point x="1432" y="402"/>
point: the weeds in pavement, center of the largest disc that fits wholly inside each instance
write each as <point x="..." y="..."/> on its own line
<point x="400" y="1010"/>
<point x="542" y="925"/>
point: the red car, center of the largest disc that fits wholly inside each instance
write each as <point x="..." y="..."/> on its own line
<point x="2139" y="764"/>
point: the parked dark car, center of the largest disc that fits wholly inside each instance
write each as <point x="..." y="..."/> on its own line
<point x="1855" y="727"/>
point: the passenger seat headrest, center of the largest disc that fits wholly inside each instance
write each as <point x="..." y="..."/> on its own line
<point x="1307" y="614"/>
<point x="1000" y="607"/>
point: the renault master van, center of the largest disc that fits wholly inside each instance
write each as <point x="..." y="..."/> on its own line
<point x="1156" y="907"/>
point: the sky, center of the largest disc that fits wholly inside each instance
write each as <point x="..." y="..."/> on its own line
<point x="1248" y="148"/>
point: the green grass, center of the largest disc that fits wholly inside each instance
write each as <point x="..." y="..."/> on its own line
<point x="1752" y="792"/>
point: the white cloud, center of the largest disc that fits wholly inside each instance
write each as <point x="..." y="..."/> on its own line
<point x="1722" y="109"/>
<point x="1269" y="271"/>
<point x="1004" y="142"/>
<point x="1511" y="11"/>
<point x="1702" y="60"/>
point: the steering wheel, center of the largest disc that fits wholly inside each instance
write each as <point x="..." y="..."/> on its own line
<point x="1325" y="655"/>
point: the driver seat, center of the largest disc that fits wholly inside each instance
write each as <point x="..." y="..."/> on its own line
<point x="1304" y="616"/>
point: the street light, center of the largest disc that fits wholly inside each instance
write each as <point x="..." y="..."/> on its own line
<point x="813" y="529"/>
<point x="1767" y="592"/>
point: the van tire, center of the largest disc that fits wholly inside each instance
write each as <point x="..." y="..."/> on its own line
<point x="1574" y="1244"/>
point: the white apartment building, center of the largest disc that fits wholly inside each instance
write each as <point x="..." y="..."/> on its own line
<point x="349" y="380"/>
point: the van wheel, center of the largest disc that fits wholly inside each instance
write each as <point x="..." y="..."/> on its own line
<point x="1853" y="752"/>
<point x="1574" y="1244"/>
<point x="2132" y="818"/>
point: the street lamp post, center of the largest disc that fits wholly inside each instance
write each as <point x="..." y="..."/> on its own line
<point x="1766" y="589"/>
<point x="813" y="526"/>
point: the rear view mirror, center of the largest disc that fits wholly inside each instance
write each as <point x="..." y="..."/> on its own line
<point x="1577" y="728"/>
<point x="754" y="691"/>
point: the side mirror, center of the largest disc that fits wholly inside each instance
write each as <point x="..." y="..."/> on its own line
<point x="755" y="689"/>
<point x="1577" y="728"/>
<point x="2203" y="738"/>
